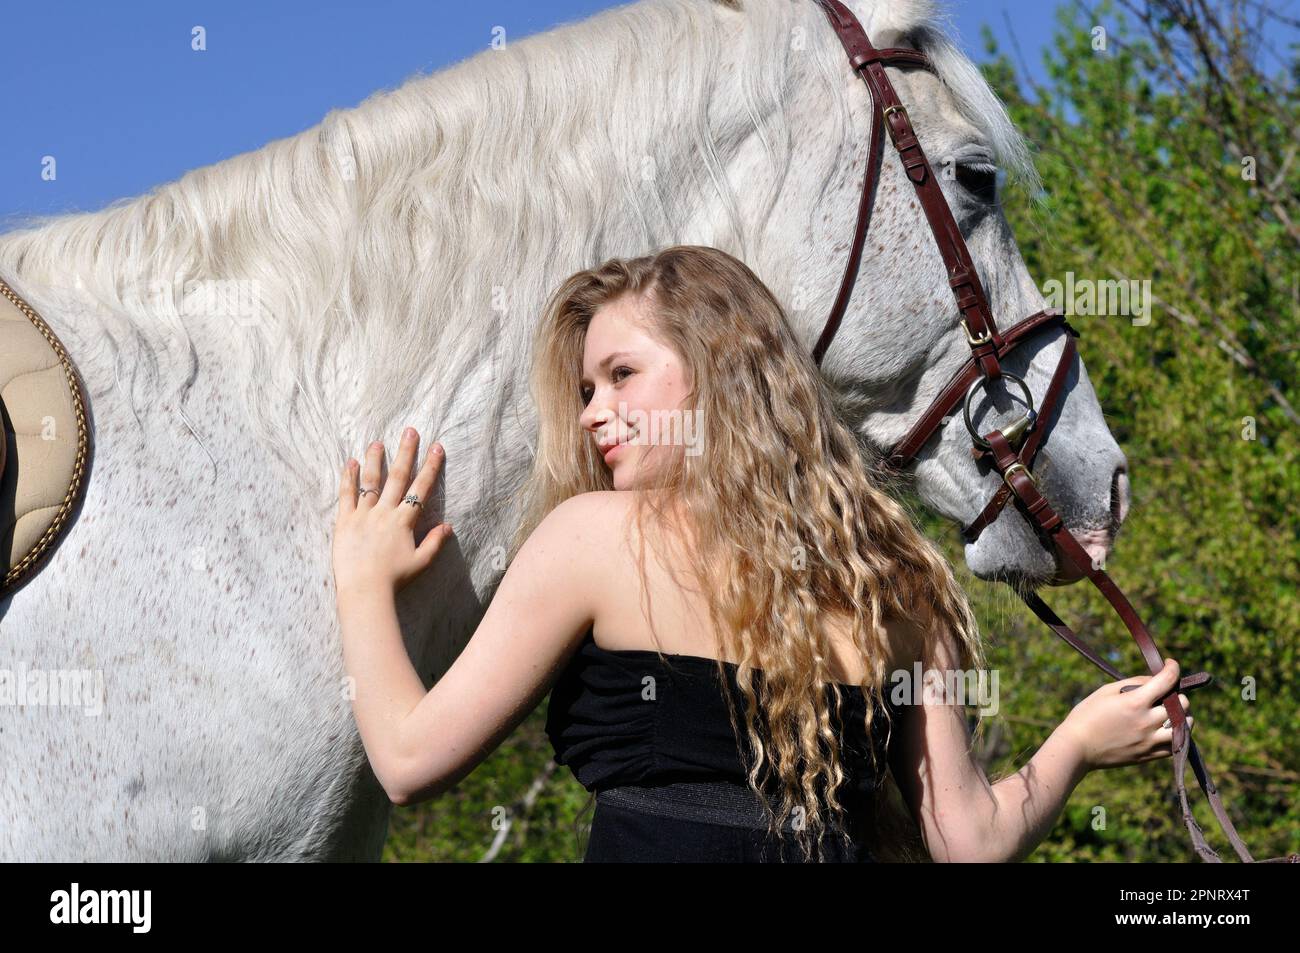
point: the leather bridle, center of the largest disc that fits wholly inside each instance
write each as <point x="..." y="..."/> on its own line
<point x="989" y="346"/>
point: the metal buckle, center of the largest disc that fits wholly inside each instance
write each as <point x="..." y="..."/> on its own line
<point x="889" y="110"/>
<point x="1006" y="477"/>
<point x="975" y="341"/>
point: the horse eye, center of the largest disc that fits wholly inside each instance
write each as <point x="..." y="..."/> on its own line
<point x="981" y="181"/>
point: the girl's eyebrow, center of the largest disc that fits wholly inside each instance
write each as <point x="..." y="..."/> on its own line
<point x="606" y="362"/>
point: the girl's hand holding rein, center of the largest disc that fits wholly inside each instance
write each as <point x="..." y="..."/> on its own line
<point x="1115" y="728"/>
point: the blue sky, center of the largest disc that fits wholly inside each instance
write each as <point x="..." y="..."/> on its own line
<point x="116" y="95"/>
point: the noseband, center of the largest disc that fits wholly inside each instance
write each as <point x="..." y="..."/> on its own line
<point x="978" y="375"/>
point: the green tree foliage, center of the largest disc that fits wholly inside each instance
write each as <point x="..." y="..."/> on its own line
<point x="1167" y="145"/>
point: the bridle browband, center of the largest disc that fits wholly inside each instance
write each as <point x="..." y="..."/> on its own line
<point x="988" y="347"/>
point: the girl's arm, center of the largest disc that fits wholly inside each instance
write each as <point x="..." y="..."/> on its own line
<point x="421" y="743"/>
<point x="965" y="818"/>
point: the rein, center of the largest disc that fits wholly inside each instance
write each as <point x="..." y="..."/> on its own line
<point x="988" y="346"/>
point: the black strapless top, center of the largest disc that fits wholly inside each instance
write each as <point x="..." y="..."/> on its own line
<point x="625" y="717"/>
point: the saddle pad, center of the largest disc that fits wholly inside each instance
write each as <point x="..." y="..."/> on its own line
<point x="45" y="448"/>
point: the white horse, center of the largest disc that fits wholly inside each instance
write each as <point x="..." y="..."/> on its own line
<point x="246" y="328"/>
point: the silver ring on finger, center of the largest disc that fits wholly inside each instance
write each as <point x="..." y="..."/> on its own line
<point x="366" y="490"/>
<point x="1166" y="724"/>
<point x="414" y="501"/>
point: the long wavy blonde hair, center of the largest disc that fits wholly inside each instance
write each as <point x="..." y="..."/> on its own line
<point x="788" y="519"/>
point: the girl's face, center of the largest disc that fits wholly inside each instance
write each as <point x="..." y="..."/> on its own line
<point x="631" y="384"/>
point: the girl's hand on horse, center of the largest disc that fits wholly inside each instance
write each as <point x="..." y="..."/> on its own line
<point x="374" y="534"/>
<point x="1117" y="728"/>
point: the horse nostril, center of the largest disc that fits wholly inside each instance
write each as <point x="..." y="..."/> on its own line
<point x="1119" y="496"/>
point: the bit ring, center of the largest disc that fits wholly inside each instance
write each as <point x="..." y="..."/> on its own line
<point x="974" y="388"/>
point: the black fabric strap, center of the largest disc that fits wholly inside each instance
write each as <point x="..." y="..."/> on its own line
<point x="705" y="802"/>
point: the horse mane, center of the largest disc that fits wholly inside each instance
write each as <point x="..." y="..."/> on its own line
<point x="397" y="252"/>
